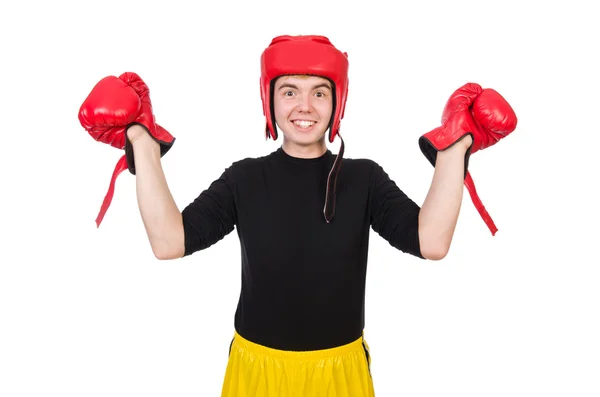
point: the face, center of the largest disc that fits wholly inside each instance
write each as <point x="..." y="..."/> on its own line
<point x="303" y="107"/>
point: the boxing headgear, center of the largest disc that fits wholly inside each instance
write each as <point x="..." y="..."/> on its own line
<point x="307" y="55"/>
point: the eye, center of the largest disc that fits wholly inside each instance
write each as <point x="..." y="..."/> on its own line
<point x="320" y="94"/>
<point x="288" y="93"/>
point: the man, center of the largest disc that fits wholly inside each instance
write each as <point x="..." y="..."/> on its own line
<point x="302" y="215"/>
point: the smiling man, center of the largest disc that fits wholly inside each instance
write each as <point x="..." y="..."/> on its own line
<point x="303" y="107"/>
<point x="303" y="219"/>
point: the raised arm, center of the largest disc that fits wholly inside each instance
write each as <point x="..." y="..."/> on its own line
<point x="473" y="119"/>
<point x="440" y="210"/>
<point x="118" y="112"/>
<point x="161" y="217"/>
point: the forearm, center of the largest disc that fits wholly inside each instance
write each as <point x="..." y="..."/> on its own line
<point x="160" y="215"/>
<point x="440" y="210"/>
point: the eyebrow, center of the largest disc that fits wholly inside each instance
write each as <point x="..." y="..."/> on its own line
<point x="288" y="85"/>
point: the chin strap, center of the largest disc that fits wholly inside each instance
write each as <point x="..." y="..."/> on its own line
<point x="120" y="167"/>
<point x="330" y="195"/>
<point x="479" y="205"/>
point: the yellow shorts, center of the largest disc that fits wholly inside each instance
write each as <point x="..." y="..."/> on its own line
<point x="258" y="371"/>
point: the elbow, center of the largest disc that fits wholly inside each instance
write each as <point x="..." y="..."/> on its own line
<point x="434" y="248"/>
<point x="160" y="255"/>
<point x="435" y="253"/>
<point x="433" y="243"/>
<point x="169" y="245"/>
<point x="166" y="252"/>
<point x="167" y="255"/>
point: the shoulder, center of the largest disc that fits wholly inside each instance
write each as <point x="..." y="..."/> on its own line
<point x="360" y="167"/>
<point x="248" y="165"/>
<point x="251" y="162"/>
<point x="366" y="172"/>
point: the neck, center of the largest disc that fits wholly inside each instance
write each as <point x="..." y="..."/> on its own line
<point x="314" y="150"/>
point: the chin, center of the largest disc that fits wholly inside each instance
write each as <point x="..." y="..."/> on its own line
<point x="304" y="138"/>
<point x="304" y="141"/>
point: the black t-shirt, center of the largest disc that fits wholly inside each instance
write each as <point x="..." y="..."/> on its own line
<point x="303" y="279"/>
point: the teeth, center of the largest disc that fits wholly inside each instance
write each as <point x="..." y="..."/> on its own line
<point x="304" y="124"/>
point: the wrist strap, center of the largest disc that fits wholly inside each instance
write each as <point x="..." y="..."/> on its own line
<point x="479" y="205"/>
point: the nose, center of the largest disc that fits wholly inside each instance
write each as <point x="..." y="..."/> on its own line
<point x="304" y="103"/>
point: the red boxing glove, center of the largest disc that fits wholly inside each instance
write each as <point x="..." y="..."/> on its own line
<point x="495" y="116"/>
<point x="482" y="113"/>
<point x="113" y="105"/>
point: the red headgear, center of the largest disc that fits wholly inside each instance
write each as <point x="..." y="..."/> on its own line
<point x="307" y="55"/>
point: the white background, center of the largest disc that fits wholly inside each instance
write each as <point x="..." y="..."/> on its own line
<point x="90" y="312"/>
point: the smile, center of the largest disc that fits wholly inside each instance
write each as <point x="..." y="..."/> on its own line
<point x="304" y="123"/>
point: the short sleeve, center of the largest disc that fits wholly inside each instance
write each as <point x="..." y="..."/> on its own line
<point x="211" y="216"/>
<point x="394" y="216"/>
